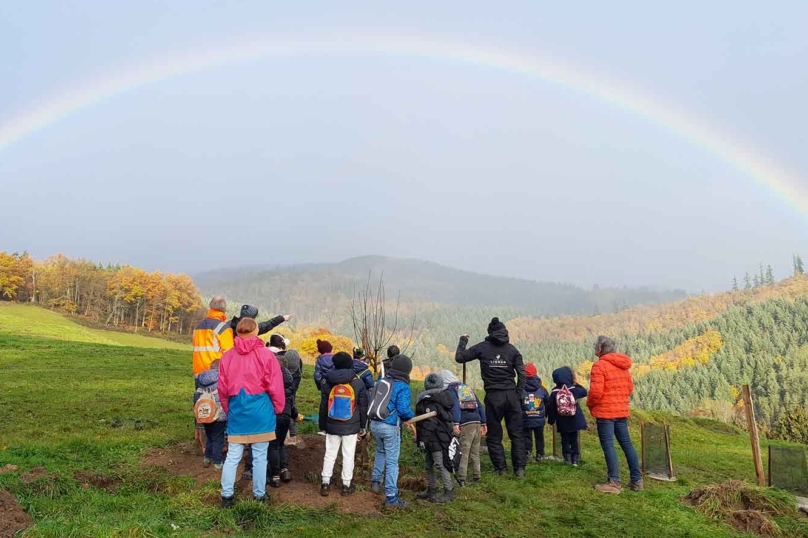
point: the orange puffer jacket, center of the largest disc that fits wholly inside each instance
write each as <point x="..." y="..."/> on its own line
<point x="610" y="387"/>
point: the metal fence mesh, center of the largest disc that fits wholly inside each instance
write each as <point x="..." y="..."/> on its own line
<point x="656" y="459"/>
<point x="788" y="469"/>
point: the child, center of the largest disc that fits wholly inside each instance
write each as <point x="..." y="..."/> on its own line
<point x="470" y="423"/>
<point x="324" y="362"/>
<point x="208" y="381"/>
<point x="279" y="345"/>
<point x="343" y="413"/>
<point x="361" y="368"/>
<point x="278" y="458"/>
<point x="569" y="421"/>
<point x="533" y="412"/>
<point x="433" y="436"/>
<point x="387" y="432"/>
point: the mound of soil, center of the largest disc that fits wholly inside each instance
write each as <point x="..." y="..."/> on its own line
<point x="12" y="517"/>
<point x="305" y="463"/>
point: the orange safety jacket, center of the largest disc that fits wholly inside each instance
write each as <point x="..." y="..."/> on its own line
<point x="212" y="337"/>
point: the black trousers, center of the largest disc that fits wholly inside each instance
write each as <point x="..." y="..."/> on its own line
<point x="499" y="405"/>
<point x="278" y="459"/>
<point x="529" y="434"/>
<point x="569" y="444"/>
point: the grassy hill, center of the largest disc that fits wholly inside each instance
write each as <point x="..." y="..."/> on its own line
<point x="80" y="418"/>
<point x="25" y="319"/>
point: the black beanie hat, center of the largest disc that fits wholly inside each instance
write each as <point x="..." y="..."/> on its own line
<point x="249" y="311"/>
<point x="495" y="325"/>
<point x="402" y="363"/>
<point x="433" y="381"/>
<point x="343" y="361"/>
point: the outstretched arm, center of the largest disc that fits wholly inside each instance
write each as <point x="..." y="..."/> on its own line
<point x="266" y="326"/>
<point x="462" y="354"/>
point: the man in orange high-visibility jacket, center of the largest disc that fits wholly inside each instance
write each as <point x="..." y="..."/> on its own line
<point x="213" y="336"/>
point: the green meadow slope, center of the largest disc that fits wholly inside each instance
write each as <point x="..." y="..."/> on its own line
<point x="73" y="409"/>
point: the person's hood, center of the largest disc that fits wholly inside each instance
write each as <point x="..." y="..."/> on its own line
<point x="498" y="336"/>
<point x="448" y="377"/>
<point x="428" y="393"/>
<point x="216" y="314"/>
<point x="208" y="378"/>
<point x="618" y="360"/>
<point x="339" y="377"/>
<point x="247" y="345"/>
<point x="533" y="383"/>
<point x="563" y="376"/>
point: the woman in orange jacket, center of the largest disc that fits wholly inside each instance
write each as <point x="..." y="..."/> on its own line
<point x="610" y="387"/>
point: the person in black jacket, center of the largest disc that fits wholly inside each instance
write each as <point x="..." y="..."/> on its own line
<point x="500" y="362"/>
<point x="434" y="435"/>
<point x="278" y="458"/>
<point x="343" y="414"/>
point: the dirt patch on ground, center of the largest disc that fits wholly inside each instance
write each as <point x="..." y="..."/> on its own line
<point x="37" y="473"/>
<point x="8" y="468"/>
<point x="110" y="484"/>
<point x="305" y="463"/>
<point x="745" y="508"/>
<point x="12" y="517"/>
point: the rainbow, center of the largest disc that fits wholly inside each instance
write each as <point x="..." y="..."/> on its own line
<point x="740" y="156"/>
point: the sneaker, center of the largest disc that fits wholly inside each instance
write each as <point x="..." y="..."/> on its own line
<point x="275" y="482"/>
<point x="206" y="462"/>
<point x="349" y="489"/>
<point x="394" y="502"/>
<point x="325" y="489"/>
<point x="227" y="502"/>
<point x="246" y="476"/>
<point x="461" y="482"/>
<point x="218" y="466"/>
<point x="286" y="476"/>
<point x="427" y="494"/>
<point x="264" y="499"/>
<point x="500" y="472"/>
<point x="376" y="487"/>
<point x="476" y="479"/>
<point x="445" y="497"/>
<point x="636" y="486"/>
<point x="612" y="486"/>
<point x="576" y="460"/>
<point x="321" y="433"/>
<point x="520" y="473"/>
<point x="539" y="458"/>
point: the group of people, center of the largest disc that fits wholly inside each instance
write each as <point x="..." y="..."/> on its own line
<point x="246" y="390"/>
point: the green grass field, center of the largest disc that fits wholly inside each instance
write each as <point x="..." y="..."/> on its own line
<point x="84" y="407"/>
<point x="32" y="320"/>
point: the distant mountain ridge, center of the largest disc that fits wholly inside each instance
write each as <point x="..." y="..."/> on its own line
<point x="315" y="290"/>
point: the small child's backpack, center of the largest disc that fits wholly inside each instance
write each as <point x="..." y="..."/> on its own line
<point x="341" y="402"/>
<point x="451" y="457"/>
<point x="566" y="405"/>
<point x="378" y="409"/>
<point x="466" y="396"/>
<point x="206" y="409"/>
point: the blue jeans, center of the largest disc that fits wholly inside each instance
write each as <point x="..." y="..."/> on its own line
<point x="234" y="453"/>
<point x="608" y="430"/>
<point x="214" y="432"/>
<point x="388" y="447"/>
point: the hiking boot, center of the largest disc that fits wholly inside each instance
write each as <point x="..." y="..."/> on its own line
<point x="428" y="494"/>
<point x="636" y="486"/>
<point x="325" y="489"/>
<point x="501" y="472"/>
<point x="539" y="458"/>
<point x="376" y="487"/>
<point x="520" y="473"/>
<point x="275" y="482"/>
<point x="445" y="497"/>
<point x="476" y="479"/>
<point x="286" y="476"/>
<point x="218" y="466"/>
<point x="394" y="502"/>
<point x="206" y="462"/>
<point x="349" y="489"/>
<point x="461" y="482"/>
<point x="227" y="502"/>
<point x="246" y="476"/>
<point x="612" y="486"/>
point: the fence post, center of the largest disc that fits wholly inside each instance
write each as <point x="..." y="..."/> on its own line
<point x="464" y="373"/>
<point x="642" y="444"/>
<point x="668" y="448"/>
<point x="753" y="435"/>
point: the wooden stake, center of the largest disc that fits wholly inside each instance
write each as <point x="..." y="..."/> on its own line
<point x="753" y="435"/>
<point x="419" y="418"/>
<point x="642" y="444"/>
<point x="771" y="460"/>
<point x="464" y="373"/>
<point x="668" y="448"/>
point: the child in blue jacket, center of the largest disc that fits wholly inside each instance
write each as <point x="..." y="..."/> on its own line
<point x="533" y="412"/>
<point x="568" y="427"/>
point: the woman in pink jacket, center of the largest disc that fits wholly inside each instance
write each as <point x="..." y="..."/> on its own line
<point x="251" y="393"/>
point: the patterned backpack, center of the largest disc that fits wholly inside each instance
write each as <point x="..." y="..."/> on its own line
<point x="466" y="396"/>
<point x="565" y="402"/>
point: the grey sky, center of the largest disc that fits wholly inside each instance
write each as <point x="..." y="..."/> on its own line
<point x="319" y="157"/>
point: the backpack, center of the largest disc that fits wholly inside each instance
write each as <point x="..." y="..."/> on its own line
<point x="566" y="405"/>
<point x="466" y="396"/>
<point x="378" y="409"/>
<point x="341" y="402"/>
<point x="206" y="410"/>
<point x="451" y="457"/>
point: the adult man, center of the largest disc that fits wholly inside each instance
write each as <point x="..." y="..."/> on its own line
<point x="212" y="337"/>
<point x="610" y="387"/>
<point x="249" y="311"/>
<point x="499" y="363"/>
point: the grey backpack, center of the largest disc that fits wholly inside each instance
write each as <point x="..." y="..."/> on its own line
<point x="378" y="409"/>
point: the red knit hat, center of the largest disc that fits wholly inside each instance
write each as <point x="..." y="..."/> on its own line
<point x="530" y="370"/>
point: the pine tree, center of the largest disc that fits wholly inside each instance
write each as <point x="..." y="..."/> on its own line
<point x="734" y="283"/>
<point x="747" y="282"/>
<point x="756" y="281"/>
<point x="798" y="269"/>
<point x="769" y="275"/>
<point x="762" y="276"/>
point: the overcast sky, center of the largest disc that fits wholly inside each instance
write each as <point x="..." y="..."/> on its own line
<point x="322" y="155"/>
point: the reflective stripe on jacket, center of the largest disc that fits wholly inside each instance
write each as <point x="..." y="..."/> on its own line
<point x="212" y="337"/>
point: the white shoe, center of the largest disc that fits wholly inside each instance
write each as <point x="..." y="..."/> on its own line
<point x="321" y="433"/>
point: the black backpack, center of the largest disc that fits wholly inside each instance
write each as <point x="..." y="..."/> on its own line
<point x="378" y="408"/>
